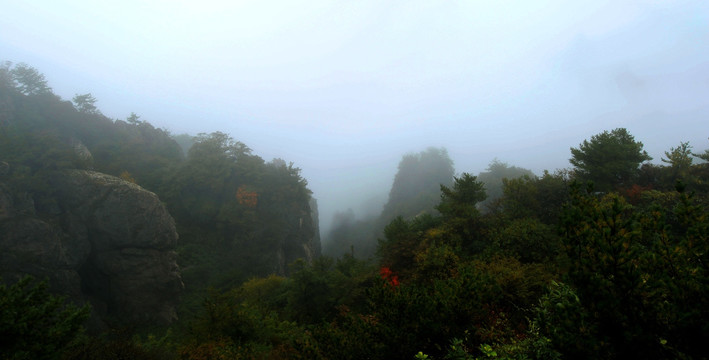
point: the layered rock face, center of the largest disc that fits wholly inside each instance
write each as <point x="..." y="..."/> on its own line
<point x="108" y="242"/>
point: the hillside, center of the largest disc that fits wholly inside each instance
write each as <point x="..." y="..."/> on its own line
<point x="237" y="216"/>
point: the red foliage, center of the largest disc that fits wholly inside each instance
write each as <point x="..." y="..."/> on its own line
<point x="633" y="194"/>
<point x="389" y="276"/>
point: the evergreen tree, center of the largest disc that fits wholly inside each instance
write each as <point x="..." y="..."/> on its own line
<point x="610" y="159"/>
<point x="679" y="161"/>
<point x="29" y="81"/>
<point x="85" y="103"/>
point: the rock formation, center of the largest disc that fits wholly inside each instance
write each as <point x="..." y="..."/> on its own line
<point x="110" y="243"/>
<point x="301" y="239"/>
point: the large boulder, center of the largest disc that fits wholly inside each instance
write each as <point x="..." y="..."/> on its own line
<point x="111" y="244"/>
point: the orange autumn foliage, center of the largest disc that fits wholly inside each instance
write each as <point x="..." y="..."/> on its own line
<point x="246" y="197"/>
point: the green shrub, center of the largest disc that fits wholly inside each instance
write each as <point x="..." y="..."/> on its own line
<point x="35" y="324"/>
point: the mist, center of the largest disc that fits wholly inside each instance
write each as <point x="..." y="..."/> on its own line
<point x="343" y="90"/>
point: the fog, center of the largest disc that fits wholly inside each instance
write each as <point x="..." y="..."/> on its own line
<point x="344" y="88"/>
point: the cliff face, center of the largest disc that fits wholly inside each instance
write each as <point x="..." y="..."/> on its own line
<point x="108" y="242"/>
<point x="301" y="239"/>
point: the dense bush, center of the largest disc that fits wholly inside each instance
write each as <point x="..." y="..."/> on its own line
<point x="35" y="324"/>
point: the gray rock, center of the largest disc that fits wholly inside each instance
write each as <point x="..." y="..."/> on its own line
<point x="112" y="244"/>
<point x="301" y="237"/>
<point x="82" y="151"/>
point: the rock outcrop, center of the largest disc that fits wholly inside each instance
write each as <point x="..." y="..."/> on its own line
<point x="111" y="243"/>
<point x="301" y="238"/>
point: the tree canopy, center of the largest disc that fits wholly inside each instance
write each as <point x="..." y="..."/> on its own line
<point x="85" y="103"/>
<point x="27" y="80"/>
<point x="610" y="159"/>
<point x="35" y="324"/>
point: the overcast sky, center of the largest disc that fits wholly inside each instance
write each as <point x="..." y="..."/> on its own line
<point x="344" y="88"/>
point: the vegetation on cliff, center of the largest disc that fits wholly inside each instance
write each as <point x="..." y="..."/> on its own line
<point x="238" y="216"/>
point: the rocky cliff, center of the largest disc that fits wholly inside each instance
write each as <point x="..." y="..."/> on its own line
<point x="107" y="241"/>
<point x="301" y="239"/>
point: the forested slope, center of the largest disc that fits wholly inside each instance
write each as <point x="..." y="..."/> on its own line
<point x="604" y="260"/>
<point x="237" y="216"/>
